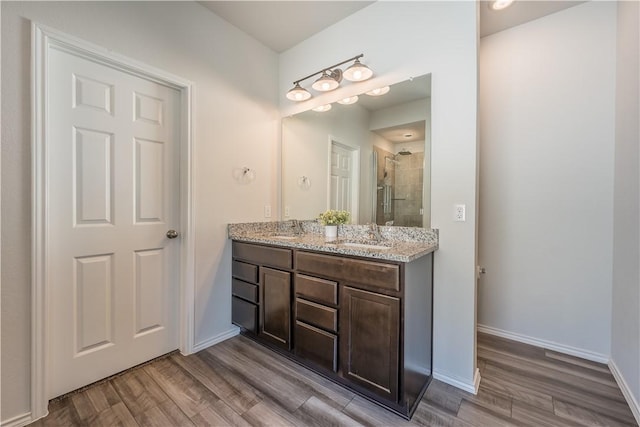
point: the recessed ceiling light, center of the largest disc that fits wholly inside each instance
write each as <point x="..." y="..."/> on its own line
<point x="408" y="135"/>
<point x="500" y="4"/>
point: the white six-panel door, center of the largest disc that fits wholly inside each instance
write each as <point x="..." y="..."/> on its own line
<point x="113" y="194"/>
<point x="341" y="177"/>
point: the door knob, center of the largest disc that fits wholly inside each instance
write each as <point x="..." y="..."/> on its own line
<point x="172" y="234"/>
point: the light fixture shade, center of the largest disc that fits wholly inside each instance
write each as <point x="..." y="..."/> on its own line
<point x="298" y="93"/>
<point x="323" y="108"/>
<point x="357" y="72"/>
<point x="379" y="91"/>
<point x="325" y="83"/>
<point x="348" y="101"/>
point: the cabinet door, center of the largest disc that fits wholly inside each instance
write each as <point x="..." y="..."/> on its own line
<point x="275" y="306"/>
<point x="369" y="341"/>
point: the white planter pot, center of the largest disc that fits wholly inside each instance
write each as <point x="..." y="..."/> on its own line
<point x="331" y="232"/>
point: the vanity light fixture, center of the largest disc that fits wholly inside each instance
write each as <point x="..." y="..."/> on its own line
<point x="357" y="72"/>
<point x="500" y="4"/>
<point x="348" y="101"/>
<point x="327" y="81"/>
<point x="379" y="91"/>
<point x="322" y="108"/>
<point x="298" y="93"/>
<point x="330" y="78"/>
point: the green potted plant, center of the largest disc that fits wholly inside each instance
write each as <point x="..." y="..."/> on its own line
<point x="331" y="219"/>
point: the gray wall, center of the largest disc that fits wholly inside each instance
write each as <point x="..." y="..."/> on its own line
<point x="235" y="123"/>
<point x="305" y="142"/>
<point x="625" y="336"/>
<point x="546" y="179"/>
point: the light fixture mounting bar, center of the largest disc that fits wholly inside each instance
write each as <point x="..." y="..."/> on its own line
<point x="328" y="68"/>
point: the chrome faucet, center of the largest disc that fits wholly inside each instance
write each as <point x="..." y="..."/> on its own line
<point x="374" y="232"/>
<point x="297" y="227"/>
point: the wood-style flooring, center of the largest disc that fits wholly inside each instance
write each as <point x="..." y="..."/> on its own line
<point x="240" y="383"/>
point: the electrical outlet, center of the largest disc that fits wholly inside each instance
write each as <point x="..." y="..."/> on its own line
<point x="459" y="213"/>
<point x="267" y="211"/>
<point x="287" y="211"/>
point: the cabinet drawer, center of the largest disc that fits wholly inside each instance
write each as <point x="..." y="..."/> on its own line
<point x="317" y="346"/>
<point x="263" y="255"/>
<point x="244" y="314"/>
<point x="316" y="289"/>
<point x="244" y="271"/>
<point x="316" y="314"/>
<point x="356" y="271"/>
<point x="244" y="290"/>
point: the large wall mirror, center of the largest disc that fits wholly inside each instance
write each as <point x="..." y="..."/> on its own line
<point x="372" y="158"/>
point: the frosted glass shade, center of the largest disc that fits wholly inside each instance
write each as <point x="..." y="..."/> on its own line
<point x="298" y="93"/>
<point x="379" y="91"/>
<point x="323" y="108"/>
<point x="325" y="83"/>
<point x="357" y="72"/>
<point x="348" y="101"/>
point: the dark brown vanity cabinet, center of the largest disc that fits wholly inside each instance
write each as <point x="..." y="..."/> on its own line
<point x="363" y="322"/>
<point x="369" y="321"/>
<point x="261" y="292"/>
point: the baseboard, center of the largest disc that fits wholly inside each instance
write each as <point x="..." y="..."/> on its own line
<point x="626" y="391"/>
<point x="549" y="345"/>
<point x="459" y="382"/>
<point x="476" y="381"/>
<point x="217" y="339"/>
<point x="17" y="421"/>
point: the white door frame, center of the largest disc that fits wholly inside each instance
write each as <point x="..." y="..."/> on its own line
<point x="43" y="39"/>
<point x="355" y="181"/>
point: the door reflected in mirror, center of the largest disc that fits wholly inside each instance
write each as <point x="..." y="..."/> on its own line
<point x="372" y="158"/>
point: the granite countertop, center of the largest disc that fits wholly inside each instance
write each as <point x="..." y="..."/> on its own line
<point x="403" y="244"/>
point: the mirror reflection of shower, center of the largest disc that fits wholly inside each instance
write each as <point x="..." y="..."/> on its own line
<point x="399" y="175"/>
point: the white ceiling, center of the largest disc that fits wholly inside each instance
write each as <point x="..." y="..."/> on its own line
<point x="492" y="21"/>
<point x="399" y="134"/>
<point x="281" y="25"/>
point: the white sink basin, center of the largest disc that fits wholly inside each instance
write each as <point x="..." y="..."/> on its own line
<point x="284" y="237"/>
<point x="365" y="246"/>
